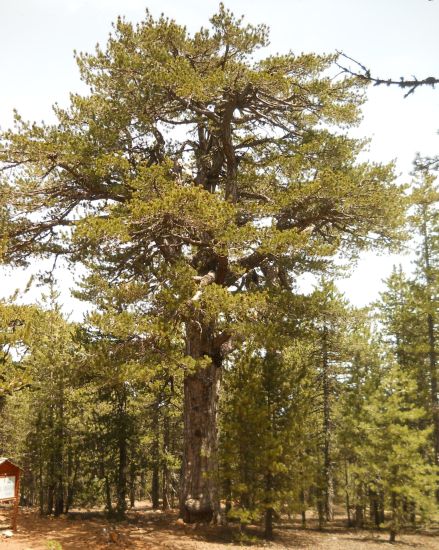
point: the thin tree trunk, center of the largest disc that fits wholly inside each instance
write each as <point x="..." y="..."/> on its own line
<point x="155" y="486"/>
<point x="142" y="488"/>
<point x="59" y="453"/>
<point x="381" y="507"/>
<point x="393" y="531"/>
<point x="69" y="492"/>
<point x="432" y="352"/>
<point x="434" y="389"/>
<point x="327" y="429"/>
<point x="50" y="472"/>
<point x="359" y="508"/>
<point x="165" y="469"/>
<point x="132" y="479"/>
<point x="40" y="465"/>
<point x="72" y="477"/>
<point x="348" y="504"/>
<point x="303" y="511"/>
<point x="359" y="516"/>
<point x="268" y="530"/>
<point x="374" y="508"/>
<point x="50" y="499"/>
<point x="41" y="488"/>
<point x="228" y="493"/>
<point x="155" y="481"/>
<point x="268" y="520"/>
<point x="107" y="485"/>
<point x="320" y="509"/>
<point x="121" y="505"/>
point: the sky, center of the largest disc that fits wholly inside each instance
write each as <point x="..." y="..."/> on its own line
<point x="393" y="38"/>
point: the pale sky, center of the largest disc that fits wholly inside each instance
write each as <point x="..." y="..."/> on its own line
<point x="392" y="37"/>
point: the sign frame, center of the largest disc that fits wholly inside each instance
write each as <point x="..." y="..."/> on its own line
<point x="10" y="486"/>
<point x="10" y="470"/>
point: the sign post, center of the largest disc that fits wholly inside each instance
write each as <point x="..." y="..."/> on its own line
<point x="10" y="486"/>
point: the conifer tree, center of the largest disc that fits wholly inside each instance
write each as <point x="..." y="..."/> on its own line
<point x="408" y="307"/>
<point x="425" y="220"/>
<point x="205" y="174"/>
<point x="361" y="377"/>
<point x="267" y="429"/>
<point x="330" y="328"/>
<point x="43" y="406"/>
<point x="16" y="328"/>
<point x="129" y="368"/>
<point x="393" y="447"/>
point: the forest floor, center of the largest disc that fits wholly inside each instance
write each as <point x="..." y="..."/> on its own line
<point x="149" y="530"/>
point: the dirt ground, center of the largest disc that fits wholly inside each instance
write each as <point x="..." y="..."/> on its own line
<point x="147" y="530"/>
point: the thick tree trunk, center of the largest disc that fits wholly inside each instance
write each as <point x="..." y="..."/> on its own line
<point x="199" y="500"/>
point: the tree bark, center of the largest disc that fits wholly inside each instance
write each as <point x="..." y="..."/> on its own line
<point x="121" y="505"/>
<point x="347" y="500"/>
<point x="393" y="531"/>
<point x="375" y="515"/>
<point x="199" y="500"/>
<point x="133" y="478"/>
<point x="432" y="351"/>
<point x="327" y="431"/>
<point x="269" y="512"/>
<point x="142" y="488"/>
<point x="303" y="511"/>
<point x="359" y="516"/>
<point x="72" y="474"/>
<point x="155" y="452"/>
<point x="59" y="453"/>
<point x="165" y="469"/>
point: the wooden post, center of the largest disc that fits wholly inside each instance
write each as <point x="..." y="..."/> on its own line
<point x="16" y="501"/>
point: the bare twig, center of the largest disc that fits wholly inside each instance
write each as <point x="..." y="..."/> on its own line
<point x="363" y="73"/>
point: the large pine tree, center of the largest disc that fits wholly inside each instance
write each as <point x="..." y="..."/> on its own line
<point x="208" y="173"/>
